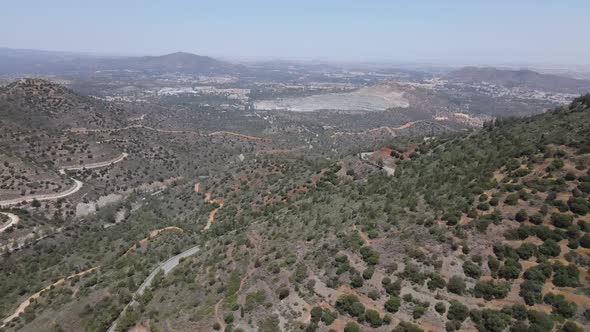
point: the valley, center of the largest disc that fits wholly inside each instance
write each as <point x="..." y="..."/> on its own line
<point x="186" y="193"/>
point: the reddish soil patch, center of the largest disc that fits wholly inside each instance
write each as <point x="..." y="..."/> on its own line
<point x="218" y="201"/>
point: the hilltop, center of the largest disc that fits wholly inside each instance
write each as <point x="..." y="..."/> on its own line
<point x="40" y="104"/>
<point x="183" y="62"/>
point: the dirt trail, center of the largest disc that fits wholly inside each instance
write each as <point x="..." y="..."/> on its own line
<point x="390" y="130"/>
<point x="218" y="201"/>
<point x="153" y="234"/>
<point x="363" y="236"/>
<point x="13" y="219"/>
<point x="218" y="317"/>
<point x="255" y="138"/>
<point x="21" y="308"/>
<point x="215" y="133"/>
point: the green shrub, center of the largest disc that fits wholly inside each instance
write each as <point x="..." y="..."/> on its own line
<point x="456" y="285"/>
<point x="531" y="291"/>
<point x="560" y="305"/>
<point x="368" y="272"/>
<point x="350" y="304"/>
<point x="407" y="327"/>
<point x="392" y="304"/>
<point x="491" y="289"/>
<point x="457" y="311"/>
<point x="316" y="314"/>
<point x="566" y="276"/>
<point x="373" y="318"/>
<point x="579" y="206"/>
<point x="352" y="327"/>
<point x="492" y="321"/>
<point x="539" y="272"/>
<point x="471" y="270"/>
<point x="536" y="219"/>
<point x="526" y="250"/>
<point x="562" y="220"/>
<point x="521" y="215"/>
<point x="510" y="270"/>
<point x="585" y="241"/>
<point x="549" y="248"/>
<point x="539" y="321"/>
<point x="369" y="255"/>
<point x="436" y="282"/>
<point x="440" y="307"/>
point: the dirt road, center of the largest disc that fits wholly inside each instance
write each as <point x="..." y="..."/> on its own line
<point x="21" y="308"/>
<point x="390" y="130"/>
<point x="152" y="234"/>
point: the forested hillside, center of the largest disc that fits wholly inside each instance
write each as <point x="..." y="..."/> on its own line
<point x="484" y="230"/>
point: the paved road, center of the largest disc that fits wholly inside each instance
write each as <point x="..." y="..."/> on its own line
<point x="44" y="197"/>
<point x="98" y="164"/>
<point x="13" y="220"/>
<point x="74" y="189"/>
<point x="166" y="266"/>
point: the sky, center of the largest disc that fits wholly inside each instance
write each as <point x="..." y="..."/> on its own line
<point x="485" y="31"/>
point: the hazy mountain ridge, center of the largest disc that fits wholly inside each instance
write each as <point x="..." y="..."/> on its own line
<point x="518" y="78"/>
<point x="15" y="62"/>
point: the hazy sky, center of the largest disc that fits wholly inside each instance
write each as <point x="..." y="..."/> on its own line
<point x="442" y="30"/>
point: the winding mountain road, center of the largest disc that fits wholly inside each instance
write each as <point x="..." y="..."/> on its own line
<point x="13" y="219"/>
<point x="70" y="191"/>
<point x="44" y="197"/>
<point x="97" y="164"/>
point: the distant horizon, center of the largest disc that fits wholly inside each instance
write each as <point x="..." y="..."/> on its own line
<point x="317" y="60"/>
<point x="429" y="31"/>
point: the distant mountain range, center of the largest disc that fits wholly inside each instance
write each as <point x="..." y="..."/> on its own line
<point x="29" y="62"/>
<point x="182" y="62"/>
<point x="519" y="78"/>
